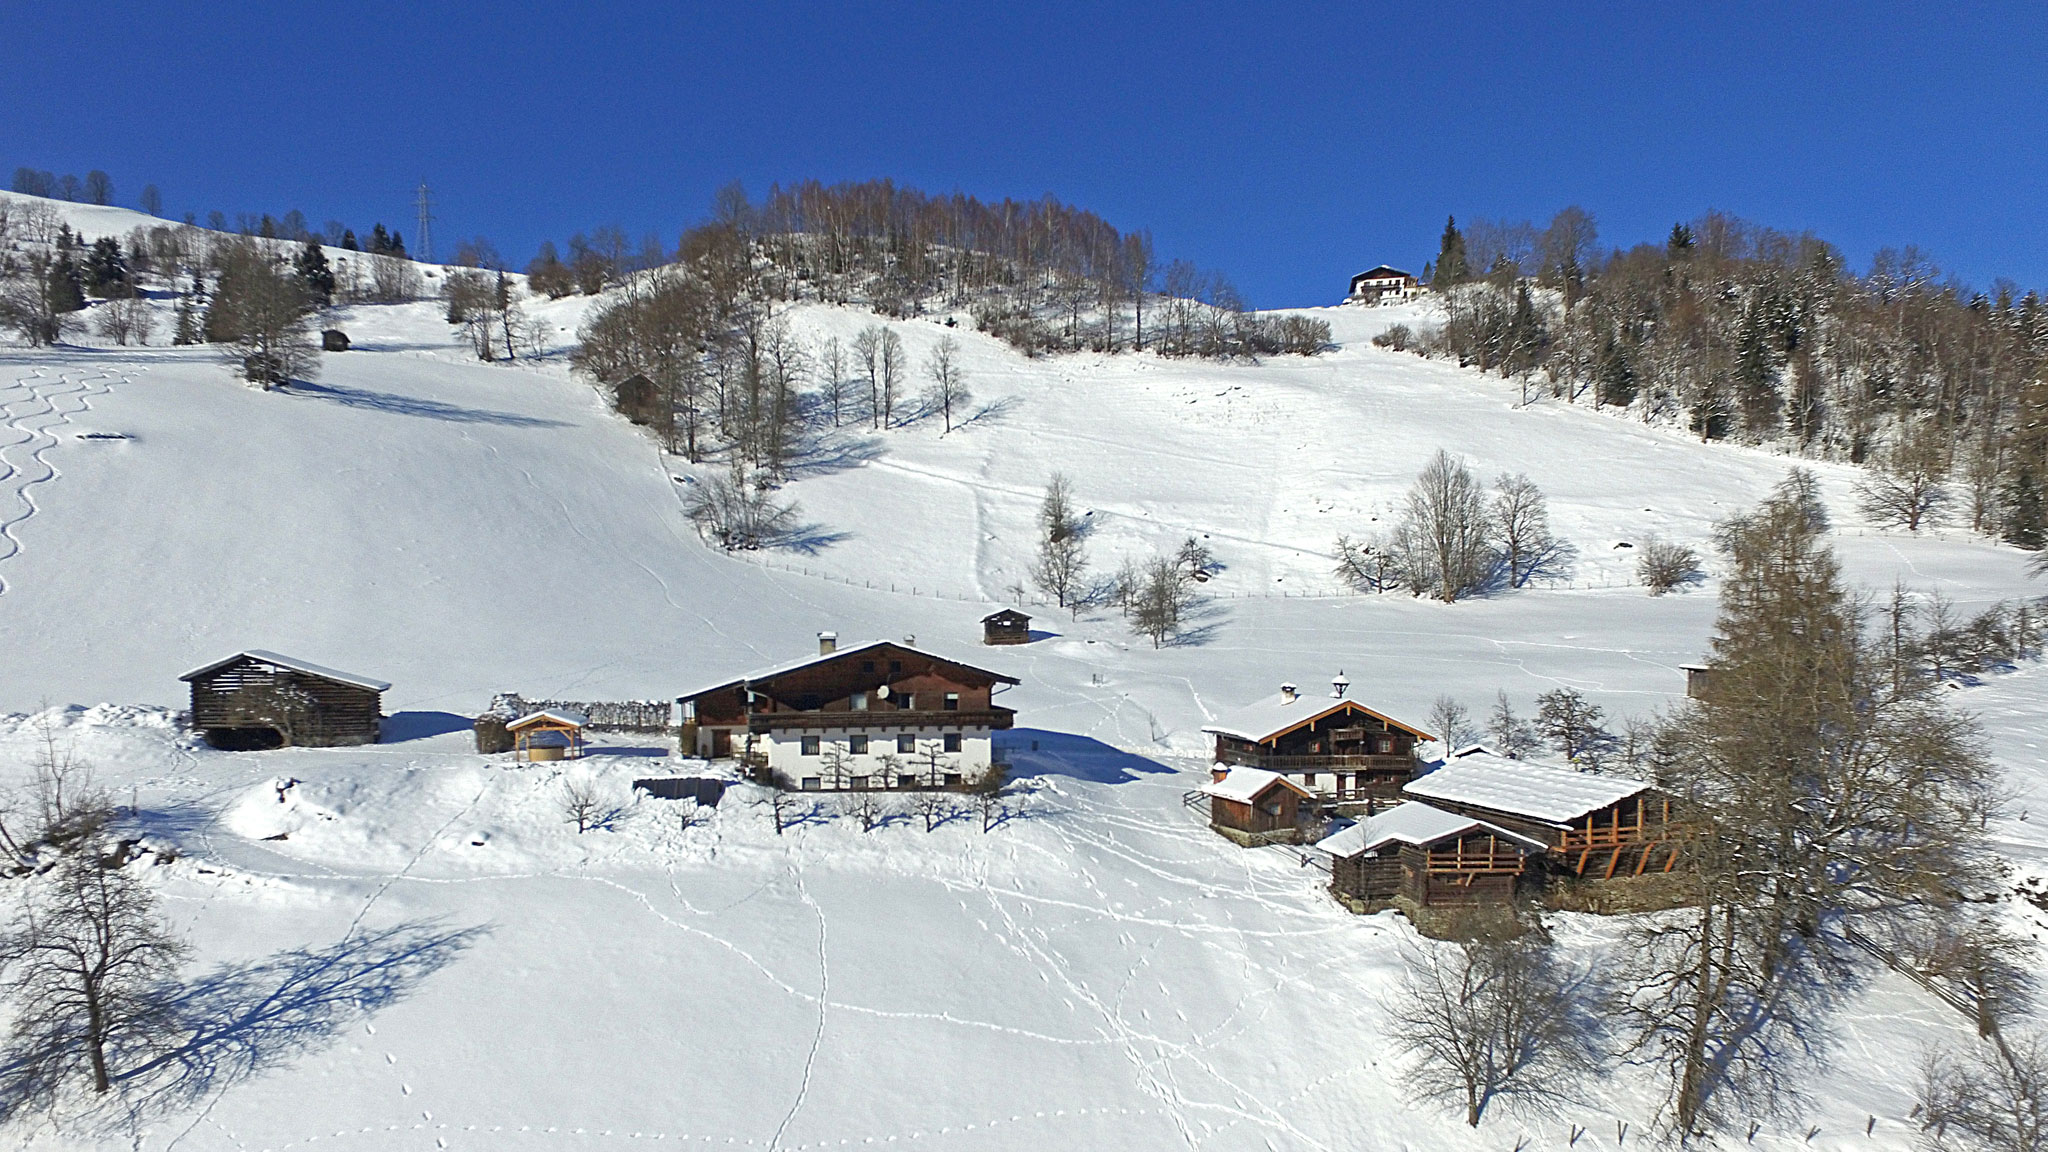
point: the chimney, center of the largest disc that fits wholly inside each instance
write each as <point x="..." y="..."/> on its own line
<point x="828" y="643"/>
<point x="1218" y="773"/>
<point x="1287" y="693"/>
<point x="1339" y="685"/>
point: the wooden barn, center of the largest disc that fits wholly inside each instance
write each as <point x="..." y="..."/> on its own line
<point x="1347" y="755"/>
<point x="1428" y="857"/>
<point x="1006" y="627"/>
<point x="876" y="716"/>
<point x="257" y="699"/>
<point x="1254" y="806"/>
<point x="1594" y="826"/>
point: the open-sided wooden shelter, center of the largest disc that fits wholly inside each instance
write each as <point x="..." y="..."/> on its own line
<point x="549" y="734"/>
<point x="257" y="699"/>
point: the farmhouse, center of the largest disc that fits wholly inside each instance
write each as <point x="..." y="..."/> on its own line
<point x="1428" y="857"/>
<point x="257" y="699"/>
<point x="881" y="715"/>
<point x="1594" y="826"/>
<point x="1341" y="752"/>
<point x="1382" y="284"/>
<point x="1254" y="806"/>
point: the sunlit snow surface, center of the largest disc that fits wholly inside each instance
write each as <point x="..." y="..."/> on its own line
<point x="1098" y="972"/>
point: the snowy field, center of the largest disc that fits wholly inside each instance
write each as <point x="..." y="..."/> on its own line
<point x="461" y="969"/>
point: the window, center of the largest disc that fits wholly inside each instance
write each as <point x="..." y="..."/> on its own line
<point x="859" y="701"/>
<point x="906" y="742"/>
<point x="952" y="779"/>
<point x="952" y="741"/>
<point x="895" y="666"/>
<point x="867" y="665"/>
<point x="857" y="783"/>
<point x="906" y="780"/>
<point x="807" y="703"/>
<point x="810" y="746"/>
<point x="907" y="701"/>
<point x="812" y="783"/>
<point x="1386" y="745"/>
<point x="857" y="745"/>
<point x="952" y="701"/>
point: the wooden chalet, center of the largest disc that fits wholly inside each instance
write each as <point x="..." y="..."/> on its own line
<point x="1428" y="857"/>
<point x="1594" y="826"/>
<point x="881" y="715"/>
<point x="1254" y="806"/>
<point x="1382" y="284"/>
<point x="1343" y="753"/>
<point x="549" y="734"/>
<point x="256" y="699"/>
<point x="1008" y="626"/>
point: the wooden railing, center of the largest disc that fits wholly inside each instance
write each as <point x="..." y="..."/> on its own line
<point x="1326" y="762"/>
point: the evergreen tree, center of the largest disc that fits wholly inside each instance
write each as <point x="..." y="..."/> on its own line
<point x="2025" y="525"/>
<point x="1679" y="245"/>
<point x="348" y="239"/>
<point x="1616" y="382"/>
<point x="187" y="331"/>
<point x="65" y="286"/>
<point x="106" y="272"/>
<point x="397" y="244"/>
<point x="380" y="240"/>
<point x="1450" y="256"/>
<point x="312" y="268"/>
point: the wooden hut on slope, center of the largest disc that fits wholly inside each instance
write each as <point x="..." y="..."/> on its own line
<point x="1254" y="806"/>
<point x="258" y="699"/>
<point x="1428" y="857"/>
<point x="1594" y="825"/>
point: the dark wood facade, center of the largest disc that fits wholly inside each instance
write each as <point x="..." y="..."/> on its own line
<point x="254" y="701"/>
<point x="1477" y="868"/>
<point x="1349" y="754"/>
<point x="1006" y="627"/>
<point x="877" y="688"/>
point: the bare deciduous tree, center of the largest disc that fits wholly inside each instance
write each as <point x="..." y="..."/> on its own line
<point x="1492" y="1018"/>
<point x="1062" y="556"/>
<point x="1521" y="521"/>
<point x="1444" y="543"/>
<point x="89" y="964"/>
<point x="1908" y="486"/>
<point x="1572" y="725"/>
<point x="949" y="383"/>
<point x="1663" y="565"/>
<point x="258" y="316"/>
<point x="1986" y="1098"/>
<point x="1511" y="734"/>
<point x="1453" y="724"/>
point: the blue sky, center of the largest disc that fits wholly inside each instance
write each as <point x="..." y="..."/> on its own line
<point x="1286" y="145"/>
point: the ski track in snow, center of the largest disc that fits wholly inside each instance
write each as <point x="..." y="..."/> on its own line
<point x="34" y="405"/>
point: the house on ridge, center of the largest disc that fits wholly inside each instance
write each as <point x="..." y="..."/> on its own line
<point x="1382" y="284"/>
<point x="1595" y="826"/>
<point x="876" y="716"/>
<point x="1346" y="755"/>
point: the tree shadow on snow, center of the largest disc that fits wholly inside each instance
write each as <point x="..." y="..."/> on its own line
<point x="416" y="406"/>
<point x="1037" y="752"/>
<point x="241" y="1020"/>
<point x="402" y="726"/>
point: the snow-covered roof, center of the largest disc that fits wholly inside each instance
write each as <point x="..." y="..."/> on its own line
<point x="789" y="666"/>
<point x="1277" y="714"/>
<point x="1412" y="823"/>
<point x="546" y="715"/>
<point x="1482" y="779"/>
<point x="1383" y="272"/>
<point x="311" y="669"/>
<point x="1244" y="784"/>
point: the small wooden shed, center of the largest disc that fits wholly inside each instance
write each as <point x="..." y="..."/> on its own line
<point x="1006" y="627"/>
<point x="1253" y="805"/>
<point x="1695" y="680"/>
<point x="549" y="734"/>
<point x="257" y="699"/>
<point x="1430" y="857"/>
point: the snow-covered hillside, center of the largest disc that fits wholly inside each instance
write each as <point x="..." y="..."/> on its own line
<point x="1099" y="970"/>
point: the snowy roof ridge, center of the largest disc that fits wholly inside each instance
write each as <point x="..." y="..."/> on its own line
<point x="1243" y="784"/>
<point x="1413" y="822"/>
<point x="558" y="715"/>
<point x="1279" y="713"/>
<point x="296" y="665"/>
<point x="1483" y="779"/>
<point x="789" y="666"/>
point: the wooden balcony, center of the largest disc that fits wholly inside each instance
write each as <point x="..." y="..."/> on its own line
<point x="880" y="719"/>
<point x="1395" y="765"/>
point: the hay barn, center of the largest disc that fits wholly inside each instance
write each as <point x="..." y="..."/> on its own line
<point x="256" y="699"/>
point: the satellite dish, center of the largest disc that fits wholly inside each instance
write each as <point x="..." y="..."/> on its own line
<point x="883" y="691"/>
